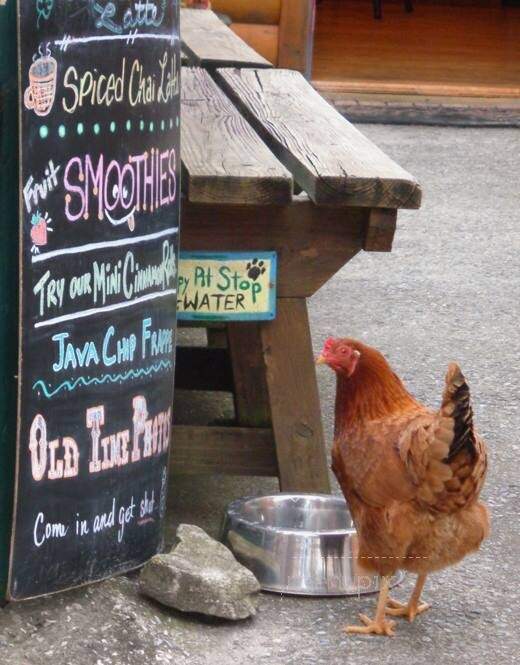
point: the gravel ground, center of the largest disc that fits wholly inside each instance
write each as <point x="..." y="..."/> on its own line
<point x="449" y="290"/>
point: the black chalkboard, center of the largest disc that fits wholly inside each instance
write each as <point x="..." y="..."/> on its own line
<point x="99" y="214"/>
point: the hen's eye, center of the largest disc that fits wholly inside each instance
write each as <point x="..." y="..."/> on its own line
<point x="343" y="350"/>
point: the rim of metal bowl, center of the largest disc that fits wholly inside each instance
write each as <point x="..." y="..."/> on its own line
<point x="232" y="513"/>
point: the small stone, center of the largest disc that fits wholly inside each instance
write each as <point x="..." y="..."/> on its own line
<point x="201" y="575"/>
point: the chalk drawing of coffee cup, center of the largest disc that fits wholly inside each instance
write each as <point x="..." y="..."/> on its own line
<point x="39" y="95"/>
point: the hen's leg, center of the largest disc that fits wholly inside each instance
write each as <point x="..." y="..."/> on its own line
<point x="379" y="625"/>
<point x="413" y="607"/>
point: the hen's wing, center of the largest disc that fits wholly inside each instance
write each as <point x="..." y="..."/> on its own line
<point x="445" y="457"/>
<point x="369" y="467"/>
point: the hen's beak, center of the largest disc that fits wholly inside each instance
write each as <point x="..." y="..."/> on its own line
<point x="321" y="360"/>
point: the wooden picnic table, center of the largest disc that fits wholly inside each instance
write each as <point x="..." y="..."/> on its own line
<point x="269" y="165"/>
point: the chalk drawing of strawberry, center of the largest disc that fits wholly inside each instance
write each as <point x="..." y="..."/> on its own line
<point x="40" y="228"/>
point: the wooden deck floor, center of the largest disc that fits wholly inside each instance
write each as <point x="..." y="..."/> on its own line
<point x="437" y="49"/>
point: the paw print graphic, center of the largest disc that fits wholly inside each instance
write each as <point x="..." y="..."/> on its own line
<point x="254" y="269"/>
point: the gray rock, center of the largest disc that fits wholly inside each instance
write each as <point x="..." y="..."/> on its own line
<point x="201" y="575"/>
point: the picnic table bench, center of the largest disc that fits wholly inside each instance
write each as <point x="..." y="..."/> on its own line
<point x="269" y="165"/>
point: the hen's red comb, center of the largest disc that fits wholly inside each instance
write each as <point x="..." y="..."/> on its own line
<point x="330" y="341"/>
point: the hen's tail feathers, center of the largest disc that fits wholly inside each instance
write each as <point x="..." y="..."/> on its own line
<point x="456" y="403"/>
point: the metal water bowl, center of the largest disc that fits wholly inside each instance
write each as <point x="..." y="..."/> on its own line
<point x="303" y="544"/>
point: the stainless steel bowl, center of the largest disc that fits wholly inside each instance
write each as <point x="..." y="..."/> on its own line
<point x="302" y="544"/>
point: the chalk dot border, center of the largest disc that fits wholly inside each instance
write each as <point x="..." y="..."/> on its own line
<point x="97" y="128"/>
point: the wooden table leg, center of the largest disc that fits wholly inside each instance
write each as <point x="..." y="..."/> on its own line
<point x="294" y="399"/>
<point x="216" y="336"/>
<point x="248" y="365"/>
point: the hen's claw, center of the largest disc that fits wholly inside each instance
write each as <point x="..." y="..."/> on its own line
<point x="372" y="627"/>
<point x="409" y="610"/>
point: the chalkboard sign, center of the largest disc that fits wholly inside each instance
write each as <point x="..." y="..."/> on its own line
<point x="99" y="212"/>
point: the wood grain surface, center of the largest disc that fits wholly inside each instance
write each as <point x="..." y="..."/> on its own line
<point x="328" y="157"/>
<point x="380" y="230"/>
<point x="210" y="43"/>
<point x="250" y="387"/>
<point x="228" y="450"/>
<point x="294" y="399"/>
<point x="224" y="160"/>
<point x="312" y="244"/>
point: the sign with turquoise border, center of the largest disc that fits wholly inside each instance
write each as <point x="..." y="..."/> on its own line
<point x="231" y="286"/>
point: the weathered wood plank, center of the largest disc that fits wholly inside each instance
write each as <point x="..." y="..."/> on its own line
<point x="224" y="160"/>
<point x="294" y="399"/>
<point x="380" y="230"/>
<point x="203" y="368"/>
<point x="328" y="157"/>
<point x="240" y="451"/>
<point x="312" y="243"/>
<point x="210" y="43"/>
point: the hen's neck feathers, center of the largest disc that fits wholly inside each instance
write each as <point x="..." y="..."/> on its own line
<point x="373" y="392"/>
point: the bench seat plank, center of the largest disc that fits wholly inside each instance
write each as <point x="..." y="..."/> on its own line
<point x="224" y="160"/>
<point x="328" y="157"/>
<point x="208" y="42"/>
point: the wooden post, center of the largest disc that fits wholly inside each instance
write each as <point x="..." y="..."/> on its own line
<point x="216" y="336"/>
<point x="251" y="396"/>
<point x="296" y="35"/>
<point x="294" y="399"/>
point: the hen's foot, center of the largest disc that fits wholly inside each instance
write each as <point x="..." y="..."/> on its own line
<point x="372" y="627"/>
<point x="409" y="611"/>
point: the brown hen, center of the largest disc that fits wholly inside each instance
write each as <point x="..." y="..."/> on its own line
<point x="411" y="476"/>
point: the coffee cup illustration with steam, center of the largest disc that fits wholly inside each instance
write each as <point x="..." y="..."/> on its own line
<point x="41" y="91"/>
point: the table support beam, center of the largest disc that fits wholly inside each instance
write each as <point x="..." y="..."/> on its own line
<point x="234" y="451"/>
<point x="249" y="374"/>
<point x="380" y="230"/>
<point x="294" y="399"/>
